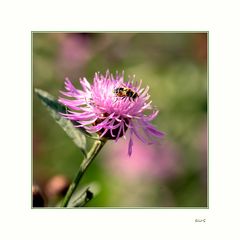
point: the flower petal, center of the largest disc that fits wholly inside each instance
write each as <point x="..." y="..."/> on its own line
<point x="130" y="145"/>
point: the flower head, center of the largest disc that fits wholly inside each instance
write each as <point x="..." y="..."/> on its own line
<point x="110" y="107"/>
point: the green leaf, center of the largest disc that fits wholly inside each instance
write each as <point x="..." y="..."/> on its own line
<point x="84" y="195"/>
<point x="54" y="107"/>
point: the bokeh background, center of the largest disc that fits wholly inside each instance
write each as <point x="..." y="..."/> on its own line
<point x="174" y="65"/>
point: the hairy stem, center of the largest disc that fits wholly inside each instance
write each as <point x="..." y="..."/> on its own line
<point x="83" y="167"/>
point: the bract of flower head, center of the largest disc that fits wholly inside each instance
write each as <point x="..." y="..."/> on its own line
<point x="112" y="107"/>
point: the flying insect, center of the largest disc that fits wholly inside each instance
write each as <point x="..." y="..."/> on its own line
<point x="125" y="93"/>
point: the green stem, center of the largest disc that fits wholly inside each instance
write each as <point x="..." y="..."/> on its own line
<point x="83" y="167"/>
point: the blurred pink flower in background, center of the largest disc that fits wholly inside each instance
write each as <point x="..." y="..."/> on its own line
<point x="202" y="141"/>
<point x="57" y="186"/>
<point x="74" y="51"/>
<point x="153" y="162"/>
<point x="201" y="144"/>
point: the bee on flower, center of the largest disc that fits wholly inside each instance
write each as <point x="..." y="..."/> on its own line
<point x="125" y="93"/>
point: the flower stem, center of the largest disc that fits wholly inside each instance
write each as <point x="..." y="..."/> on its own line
<point x="83" y="167"/>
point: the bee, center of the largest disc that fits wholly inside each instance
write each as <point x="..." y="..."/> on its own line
<point x="125" y="93"/>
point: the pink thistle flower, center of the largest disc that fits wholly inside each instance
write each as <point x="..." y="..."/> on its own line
<point x="110" y="107"/>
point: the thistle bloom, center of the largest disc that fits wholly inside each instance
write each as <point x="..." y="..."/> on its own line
<point x="110" y="107"/>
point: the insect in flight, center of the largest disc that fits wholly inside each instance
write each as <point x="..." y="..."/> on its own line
<point x="125" y="93"/>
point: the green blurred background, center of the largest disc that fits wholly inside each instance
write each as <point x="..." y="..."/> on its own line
<point x="174" y="65"/>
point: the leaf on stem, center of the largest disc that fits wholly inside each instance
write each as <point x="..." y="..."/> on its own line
<point x="83" y="196"/>
<point x="54" y="107"/>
